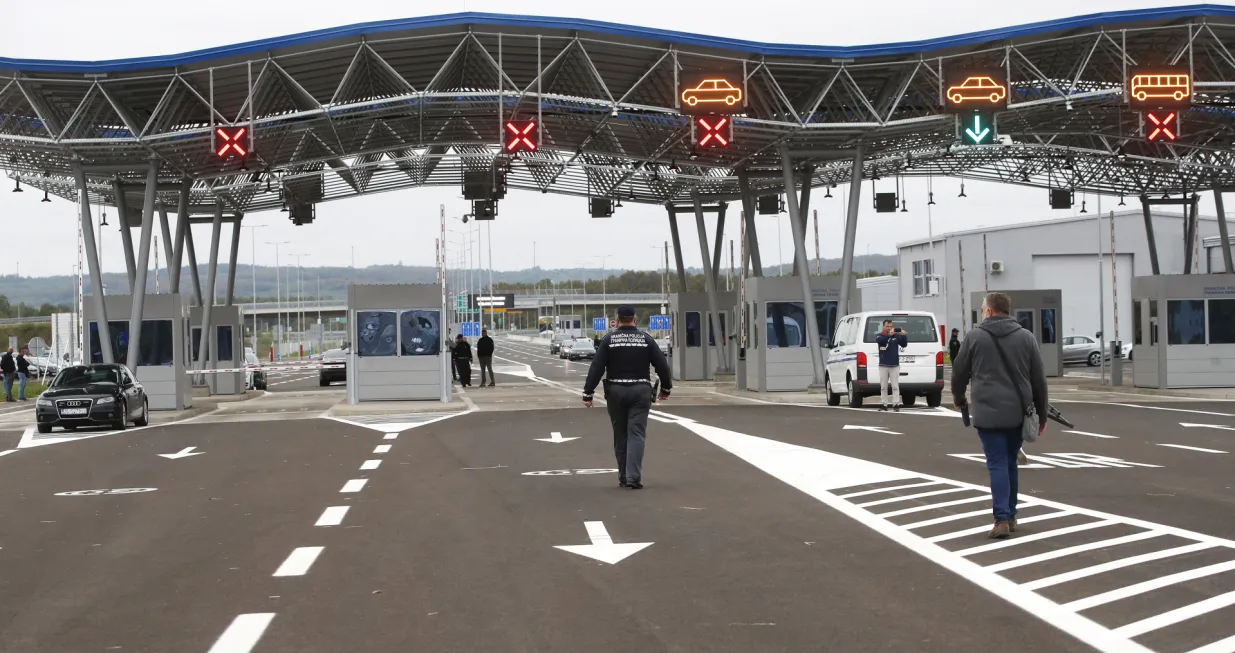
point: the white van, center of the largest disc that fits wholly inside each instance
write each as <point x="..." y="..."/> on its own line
<point x="853" y="359"/>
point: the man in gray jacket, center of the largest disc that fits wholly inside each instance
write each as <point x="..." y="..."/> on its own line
<point x="1000" y="397"/>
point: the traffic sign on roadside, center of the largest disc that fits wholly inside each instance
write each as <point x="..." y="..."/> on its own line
<point x="599" y="324"/>
<point x="658" y="323"/>
<point x="470" y="329"/>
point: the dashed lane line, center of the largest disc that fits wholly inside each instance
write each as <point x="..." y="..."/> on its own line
<point x="299" y="561"/>
<point x="381" y="448"/>
<point x="332" y="516"/>
<point x="370" y="464"/>
<point x="354" y="485"/>
<point x="1184" y="446"/>
<point x="243" y="633"/>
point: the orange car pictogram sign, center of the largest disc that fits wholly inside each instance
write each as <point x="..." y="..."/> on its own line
<point x="714" y="90"/>
<point x="977" y="88"/>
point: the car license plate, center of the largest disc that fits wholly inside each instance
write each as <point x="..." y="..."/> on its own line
<point x="907" y="359"/>
<point x="73" y="411"/>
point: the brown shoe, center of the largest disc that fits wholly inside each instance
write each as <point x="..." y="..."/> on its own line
<point x="1012" y="524"/>
<point x="1000" y="531"/>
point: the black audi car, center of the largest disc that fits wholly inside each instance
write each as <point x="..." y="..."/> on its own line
<point x="330" y="375"/>
<point x="92" y="395"/>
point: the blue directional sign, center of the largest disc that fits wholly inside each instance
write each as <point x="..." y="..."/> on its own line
<point x="977" y="128"/>
<point x="600" y="324"/>
<point x="470" y="329"/>
<point x="658" y="323"/>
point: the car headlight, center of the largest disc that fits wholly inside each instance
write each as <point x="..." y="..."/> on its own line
<point x="105" y="400"/>
<point x="46" y="403"/>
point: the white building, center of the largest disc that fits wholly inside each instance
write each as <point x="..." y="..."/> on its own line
<point x="939" y="275"/>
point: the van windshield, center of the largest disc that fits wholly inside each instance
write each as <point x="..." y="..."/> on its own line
<point x="917" y="328"/>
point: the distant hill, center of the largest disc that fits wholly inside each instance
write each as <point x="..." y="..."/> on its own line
<point x="334" y="280"/>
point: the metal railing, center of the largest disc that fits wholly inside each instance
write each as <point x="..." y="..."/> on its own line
<point x="38" y="319"/>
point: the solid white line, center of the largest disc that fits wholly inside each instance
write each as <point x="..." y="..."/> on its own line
<point x="354" y="485"/>
<point x="1177" y="410"/>
<point x="7" y="452"/>
<point x="1149" y="586"/>
<point x="332" y="516"/>
<point x="932" y="506"/>
<point x="1093" y="435"/>
<point x="370" y="464"/>
<point x="243" y="633"/>
<point x="886" y="489"/>
<point x="1071" y="550"/>
<point x="1116" y="564"/>
<point x="381" y="448"/>
<point x="948" y="518"/>
<point x="1225" y="646"/>
<point x="390" y="436"/>
<point x="880" y="502"/>
<point x="1184" y="446"/>
<point x="298" y="563"/>
<point x="1177" y="615"/>
<point x="982" y="529"/>
<point x="1003" y="544"/>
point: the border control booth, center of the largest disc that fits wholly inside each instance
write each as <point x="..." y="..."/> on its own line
<point x="777" y="356"/>
<point x="1039" y="311"/>
<point x="1183" y="331"/>
<point x="161" y="365"/>
<point x="226" y="348"/>
<point x="692" y="358"/>
<point x="398" y="348"/>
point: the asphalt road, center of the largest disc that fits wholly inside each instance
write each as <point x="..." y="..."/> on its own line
<point x="768" y="528"/>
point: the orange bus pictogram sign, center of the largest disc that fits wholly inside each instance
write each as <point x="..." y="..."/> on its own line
<point x="1172" y="87"/>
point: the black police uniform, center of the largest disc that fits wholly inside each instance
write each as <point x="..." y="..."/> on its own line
<point x="623" y="358"/>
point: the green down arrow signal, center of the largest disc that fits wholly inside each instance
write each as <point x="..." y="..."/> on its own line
<point x="978" y="133"/>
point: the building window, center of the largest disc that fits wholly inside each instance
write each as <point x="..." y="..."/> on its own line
<point x="1185" y="322"/>
<point x="923" y="272"/>
<point x="1222" y="321"/>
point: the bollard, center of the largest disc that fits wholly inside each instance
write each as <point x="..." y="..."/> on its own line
<point x="1117" y="363"/>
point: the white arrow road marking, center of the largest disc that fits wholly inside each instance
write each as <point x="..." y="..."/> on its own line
<point x="183" y="453"/>
<point x="602" y="547"/>
<point x="876" y="429"/>
<point x="243" y="633"/>
<point x="555" y="438"/>
<point x="1207" y="426"/>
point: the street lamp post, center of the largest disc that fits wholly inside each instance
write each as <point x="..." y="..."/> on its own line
<point x="604" y="288"/>
<point x="278" y="297"/>
<point x="253" y="273"/>
<point x="299" y="303"/>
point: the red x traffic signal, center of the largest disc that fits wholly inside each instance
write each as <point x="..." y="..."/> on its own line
<point x="521" y="136"/>
<point x="231" y="141"/>
<point x="713" y="131"/>
<point x="1162" y="126"/>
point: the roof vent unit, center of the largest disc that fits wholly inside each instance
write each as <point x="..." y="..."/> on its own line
<point x="1061" y="198"/>
<point x="769" y="205"/>
<point x="886" y="203"/>
<point x="600" y="207"/>
<point x="302" y="213"/>
<point x="996" y="267"/>
<point x="484" y="209"/>
<point x="484" y="184"/>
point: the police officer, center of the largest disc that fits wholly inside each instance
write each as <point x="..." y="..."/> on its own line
<point x="623" y="358"/>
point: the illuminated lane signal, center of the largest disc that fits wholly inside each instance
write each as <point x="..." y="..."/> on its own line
<point x="521" y="136"/>
<point x="1160" y="88"/>
<point x="977" y="128"/>
<point x="1162" y="126"/>
<point x="711" y="93"/>
<point x="968" y="90"/>
<point x="713" y="131"/>
<point x="231" y="141"/>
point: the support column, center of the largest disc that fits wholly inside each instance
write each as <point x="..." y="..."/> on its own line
<point x="143" y="266"/>
<point x="96" y="275"/>
<point x="677" y="248"/>
<point x="709" y="281"/>
<point x="1222" y="231"/>
<point x="126" y="236"/>
<point x="716" y="249"/>
<point x="193" y="275"/>
<point x="801" y="271"/>
<point x="804" y="211"/>
<point x="166" y="232"/>
<point x="182" y="227"/>
<point x="216" y="230"/>
<point x="851" y="232"/>
<point x="1149" y="236"/>
<point x="1190" y="235"/>
<point x="748" y="214"/>
<point x="231" y="263"/>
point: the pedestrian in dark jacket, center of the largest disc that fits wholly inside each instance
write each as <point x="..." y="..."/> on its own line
<point x="23" y="373"/>
<point x="8" y="369"/>
<point x="463" y="360"/>
<point x="954" y="345"/>
<point x="890" y="341"/>
<point x="484" y="351"/>
<point x="1001" y="395"/>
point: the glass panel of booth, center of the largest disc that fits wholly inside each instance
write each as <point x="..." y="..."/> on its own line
<point x="1025" y="319"/>
<point x="1153" y="322"/>
<point x="1048" y="326"/>
<point x="376" y="333"/>
<point x="724" y="333"/>
<point x="786" y="323"/>
<point x="1138" y="330"/>
<point x="420" y="332"/>
<point x="223" y="339"/>
<point x="1185" y="322"/>
<point x="694" y="332"/>
<point x="156" y="342"/>
<point x="1222" y="321"/>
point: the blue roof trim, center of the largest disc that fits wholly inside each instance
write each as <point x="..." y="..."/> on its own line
<point x="615" y="29"/>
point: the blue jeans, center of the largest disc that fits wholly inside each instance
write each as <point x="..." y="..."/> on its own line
<point x="1000" y="447"/>
<point x="21" y="386"/>
<point x="8" y="385"/>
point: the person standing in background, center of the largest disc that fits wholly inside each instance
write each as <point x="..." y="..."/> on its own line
<point x="23" y="373"/>
<point x="8" y="370"/>
<point x="484" y="351"/>
<point x="954" y="345"/>
<point x="463" y="360"/>
<point x="890" y="341"/>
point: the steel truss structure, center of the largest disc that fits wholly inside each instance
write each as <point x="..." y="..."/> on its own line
<point x="383" y="106"/>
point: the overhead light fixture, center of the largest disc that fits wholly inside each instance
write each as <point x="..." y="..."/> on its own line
<point x="1121" y="201"/>
<point x="694" y="155"/>
<point x="962" y="190"/>
<point x="244" y="167"/>
<point x="17" y="188"/>
<point x="673" y="165"/>
<point x="45" y="198"/>
<point x="619" y="203"/>
<point x="1121" y="153"/>
<point x="1025" y="177"/>
<point x="1166" y="195"/>
<point x="268" y="183"/>
<point x="284" y="208"/>
<point x="875" y="177"/>
<point x="828" y="194"/>
<point x="931" y="197"/>
<point x="1083" y="207"/>
<point x="904" y="208"/>
<point x="104" y="222"/>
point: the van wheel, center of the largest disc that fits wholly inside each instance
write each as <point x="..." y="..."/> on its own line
<point x="855" y="399"/>
<point x="934" y="399"/>
<point x="833" y="398"/>
<point x="1094" y="359"/>
<point x="908" y="398"/>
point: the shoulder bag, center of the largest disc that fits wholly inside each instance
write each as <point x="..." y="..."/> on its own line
<point x="1029" y="424"/>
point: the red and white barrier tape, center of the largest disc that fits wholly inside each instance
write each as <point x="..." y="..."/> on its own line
<point x="227" y="370"/>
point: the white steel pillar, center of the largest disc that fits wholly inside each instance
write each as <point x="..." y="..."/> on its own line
<point x="800" y="269"/>
<point x="851" y="232"/>
<point x="231" y="262"/>
<point x="143" y="266"/>
<point x="96" y="275"/>
<point x="709" y="280"/>
<point x="126" y="236"/>
<point x="216" y="230"/>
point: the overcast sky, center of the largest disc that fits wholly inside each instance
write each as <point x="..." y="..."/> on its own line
<point x="556" y="228"/>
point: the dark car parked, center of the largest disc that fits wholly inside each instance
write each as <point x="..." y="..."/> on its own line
<point x="330" y="375"/>
<point x="92" y="395"/>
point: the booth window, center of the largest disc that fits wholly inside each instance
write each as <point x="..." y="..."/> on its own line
<point x="119" y="332"/>
<point x="786" y="325"/>
<point x="376" y="333"/>
<point x="1153" y="322"/>
<point x="1025" y="319"/>
<point x="195" y="337"/>
<point x="420" y="332"/>
<point x="156" y="345"/>
<point x="752" y="330"/>
<point x="1048" y="326"/>
<point x="1222" y="321"/>
<point x="723" y="330"/>
<point x="1138" y="331"/>
<point x="693" y="332"/>
<point x="223" y="336"/>
<point x="1185" y="322"/>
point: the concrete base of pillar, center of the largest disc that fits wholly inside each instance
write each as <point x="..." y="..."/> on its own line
<point x="725" y="378"/>
<point x="816" y="389"/>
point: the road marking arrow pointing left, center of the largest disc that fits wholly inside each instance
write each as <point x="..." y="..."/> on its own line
<point x="183" y="453"/>
<point x="1207" y="426"/>
<point x="556" y="438"/>
<point x="602" y="547"/>
<point x="876" y="429"/>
